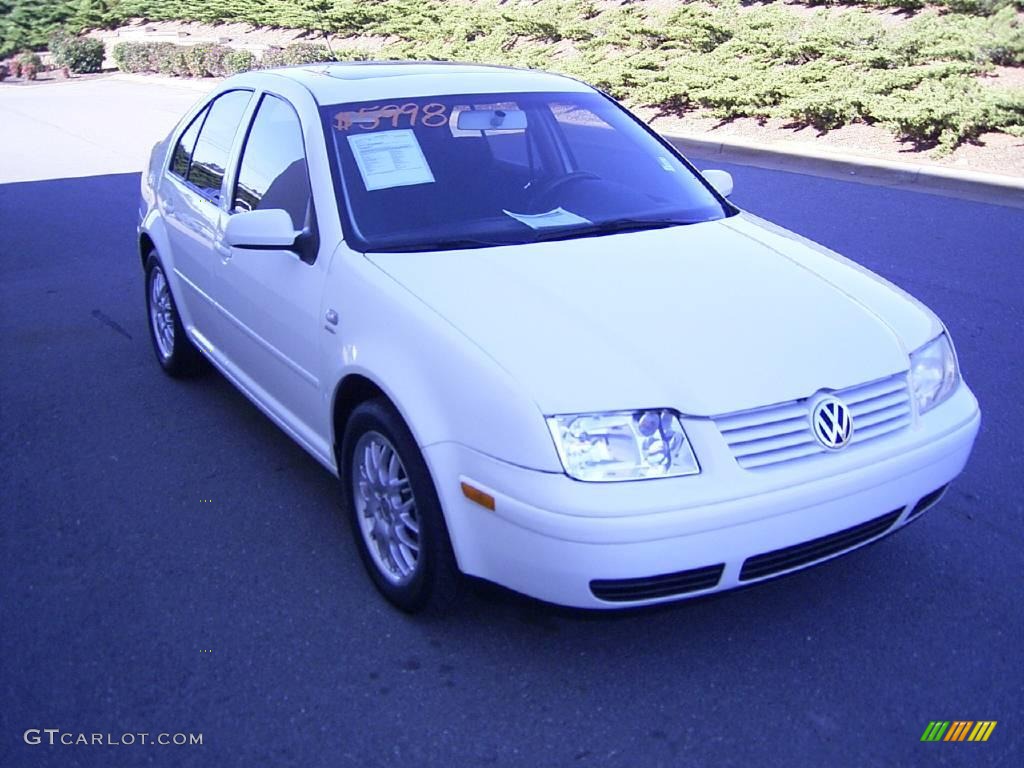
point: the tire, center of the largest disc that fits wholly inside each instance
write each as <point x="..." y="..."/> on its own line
<point x="171" y="345"/>
<point x="394" y="508"/>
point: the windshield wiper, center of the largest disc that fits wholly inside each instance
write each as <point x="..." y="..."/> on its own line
<point x="560" y="233"/>
<point x="438" y="245"/>
<point x="609" y="228"/>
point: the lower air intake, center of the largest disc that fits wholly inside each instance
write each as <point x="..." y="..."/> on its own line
<point x="926" y="502"/>
<point x="650" y="587"/>
<point x="780" y="560"/>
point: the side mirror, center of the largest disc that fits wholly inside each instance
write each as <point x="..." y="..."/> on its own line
<point x="721" y="181"/>
<point x="269" y="230"/>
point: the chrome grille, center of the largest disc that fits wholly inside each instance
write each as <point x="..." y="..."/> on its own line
<point x="780" y="433"/>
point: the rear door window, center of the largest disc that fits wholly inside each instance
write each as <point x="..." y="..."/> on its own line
<point x="182" y="157"/>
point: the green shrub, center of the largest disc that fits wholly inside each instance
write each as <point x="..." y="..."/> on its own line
<point x="272" y="57"/>
<point x="728" y="58"/>
<point x="4" y="71"/>
<point x="200" y="60"/>
<point x="29" y="59"/>
<point x="306" y="53"/>
<point x="903" y="5"/>
<point x="125" y="56"/>
<point x="1003" y="41"/>
<point x="141" y="57"/>
<point x="55" y="45"/>
<point x="172" y="60"/>
<point x="236" y="61"/>
<point x="352" y="54"/>
<point x="698" y="28"/>
<point x="195" y="59"/>
<point x="978" y="7"/>
<point x="945" y="113"/>
<point x="205" y="60"/>
<point x="78" y="54"/>
<point x="213" y="60"/>
<point x="30" y="64"/>
<point x="28" y="24"/>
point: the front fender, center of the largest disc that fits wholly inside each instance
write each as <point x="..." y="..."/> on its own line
<point x="445" y="387"/>
<point x="154" y="227"/>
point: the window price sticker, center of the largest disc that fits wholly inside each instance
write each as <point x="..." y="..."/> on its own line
<point x="390" y="159"/>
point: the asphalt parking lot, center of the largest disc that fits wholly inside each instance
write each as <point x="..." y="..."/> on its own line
<point x="171" y="562"/>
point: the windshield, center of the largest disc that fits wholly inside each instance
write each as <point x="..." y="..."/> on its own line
<point x="445" y="172"/>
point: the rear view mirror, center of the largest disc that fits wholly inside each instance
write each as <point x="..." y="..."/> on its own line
<point x="721" y="181"/>
<point x="269" y="230"/>
<point x="491" y="120"/>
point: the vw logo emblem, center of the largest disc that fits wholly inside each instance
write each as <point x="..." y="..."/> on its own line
<point x="832" y="422"/>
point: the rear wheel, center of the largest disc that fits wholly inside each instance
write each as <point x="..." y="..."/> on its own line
<point x="394" y="511"/>
<point x="173" y="348"/>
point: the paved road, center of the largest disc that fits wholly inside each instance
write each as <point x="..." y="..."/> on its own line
<point x="88" y="127"/>
<point x="116" y="575"/>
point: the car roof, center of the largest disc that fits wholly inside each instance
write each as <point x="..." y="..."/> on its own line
<point x="335" y="83"/>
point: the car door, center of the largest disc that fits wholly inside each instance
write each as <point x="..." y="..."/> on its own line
<point x="190" y="199"/>
<point x="272" y="297"/>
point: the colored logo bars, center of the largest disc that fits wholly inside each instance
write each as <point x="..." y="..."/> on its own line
<point x="958" y="730"/>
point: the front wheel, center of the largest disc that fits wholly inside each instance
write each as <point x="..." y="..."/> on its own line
<point x="174" y="350"/>
<point x="394" y="511"/>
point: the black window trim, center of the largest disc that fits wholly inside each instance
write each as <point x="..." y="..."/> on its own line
<point x="201" y="117"/>
<point x="307" y="245"/>
<point x="204" y="113"/>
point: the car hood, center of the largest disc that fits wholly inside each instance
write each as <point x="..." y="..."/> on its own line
<point x="708" y="318"/>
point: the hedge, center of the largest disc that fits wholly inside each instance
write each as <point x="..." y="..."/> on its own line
<point x="209" y="60"/>
<point x="236" y="61"/>
<point x="78" y="54"/>
<point x="920" y="77"/>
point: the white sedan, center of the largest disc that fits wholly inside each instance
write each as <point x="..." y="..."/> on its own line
<point x="533" y="342"/>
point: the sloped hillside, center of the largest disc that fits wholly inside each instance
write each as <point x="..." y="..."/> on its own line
<point x="922" y="70"/>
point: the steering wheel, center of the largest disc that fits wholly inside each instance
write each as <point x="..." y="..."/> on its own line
<point x="546" y="189"/>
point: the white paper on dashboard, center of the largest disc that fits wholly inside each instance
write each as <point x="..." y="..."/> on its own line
<point x="390" y="159"/>
<point x="558" y="217"/>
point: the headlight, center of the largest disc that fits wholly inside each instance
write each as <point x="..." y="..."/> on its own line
<point x="933" y="373"/>
<point x="625" y="445"/>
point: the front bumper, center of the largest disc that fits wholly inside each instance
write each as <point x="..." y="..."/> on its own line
<point x="551" y="537"/>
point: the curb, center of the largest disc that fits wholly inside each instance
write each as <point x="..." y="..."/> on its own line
<point x="967" y="185"/>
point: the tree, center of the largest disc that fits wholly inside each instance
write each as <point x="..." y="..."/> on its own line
<point x="90" y="14"/>
<point x="319" y="10"/>
<point x="28" y="24"/>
